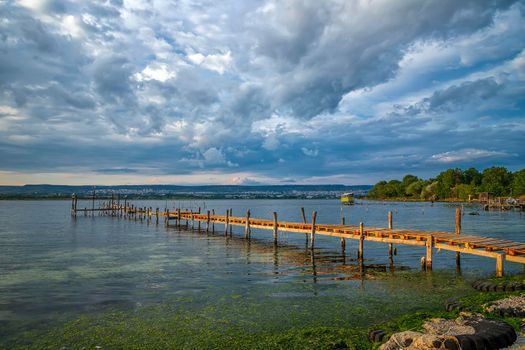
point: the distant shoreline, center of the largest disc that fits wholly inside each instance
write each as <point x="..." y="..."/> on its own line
<point x="68" y="198"/>
<point x="446" y="200"/>
<point x="163" y="198"/>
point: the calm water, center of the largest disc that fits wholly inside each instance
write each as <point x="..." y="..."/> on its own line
<point x="54" y="268"/>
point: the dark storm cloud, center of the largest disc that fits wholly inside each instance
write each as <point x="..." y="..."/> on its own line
<point x="267" y="88"/>
<point x="455" y="97"/>
<point x="321" y="51"/>
<point x="111" y="76"/>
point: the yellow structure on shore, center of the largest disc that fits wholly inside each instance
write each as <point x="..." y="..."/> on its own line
<point x="347" y="198"/>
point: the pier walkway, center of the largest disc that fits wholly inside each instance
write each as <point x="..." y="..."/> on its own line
<point x="498" y="249"/>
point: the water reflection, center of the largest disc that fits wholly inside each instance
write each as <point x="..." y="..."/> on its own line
<point x="55" y="265"/>
<point x="319" y="263"/>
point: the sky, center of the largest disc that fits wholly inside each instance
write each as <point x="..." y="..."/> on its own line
<point x="258" y="92"/>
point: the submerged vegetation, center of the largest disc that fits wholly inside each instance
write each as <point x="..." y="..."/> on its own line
<point x="267" y="318"/>
<point x="453" y="184"/>
<point x="164" y="327"/>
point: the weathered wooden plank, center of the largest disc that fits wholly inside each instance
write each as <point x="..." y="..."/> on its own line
<point x="468" y="244"/>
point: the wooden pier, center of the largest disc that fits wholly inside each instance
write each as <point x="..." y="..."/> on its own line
<point x="498" y="249"/>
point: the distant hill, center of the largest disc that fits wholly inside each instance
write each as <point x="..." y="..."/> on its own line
<point x="175" y="191"/>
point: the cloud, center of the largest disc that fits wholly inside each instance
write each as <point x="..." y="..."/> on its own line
<point x="160" y="73"/>
<point x="310" y="152"/>
<point x="116" y="171"/>
<point x="217" y="62"/>
<point x="214" y="156"/>
<point x="305" y="91"/>
<point x="467" y="154"/>
<point x="240" y="180"/>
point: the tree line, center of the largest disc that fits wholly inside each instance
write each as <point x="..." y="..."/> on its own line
<point x="453" y="184"/>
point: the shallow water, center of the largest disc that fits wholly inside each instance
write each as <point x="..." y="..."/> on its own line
<point x="54" y="268"/>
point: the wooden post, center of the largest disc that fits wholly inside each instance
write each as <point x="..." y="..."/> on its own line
<point x="275" y="225"/>
<point x="199" y="222"/>
<point x="458" y="232"/>
<point x="208" y="221"/>
<point x="178" y="217"/>
<point x="430" y="242"/>
<point x="231" y="226"/>
<point x="157" y="216"/>
<point x="458" y="221"/>
<point x="247" y="230"/>
<point x="192" y="221"/>
<point x="390" y="245"/>
<point x="167" y="219"/>
<point x="500" y="258"/>
<point x="423" y="264"/>
<point x="343" y="242"/>
<point x="361" y="241"/>
<point x="213" y="223"/>
<point x="312" y="233"/>
<point x="304" y="215"/>
<point x="93" y="203"/>
<point x="226" y="222"/>
<point x="304" y="222"/>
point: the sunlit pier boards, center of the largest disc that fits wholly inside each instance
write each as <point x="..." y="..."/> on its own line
<point x="500" y="250"/>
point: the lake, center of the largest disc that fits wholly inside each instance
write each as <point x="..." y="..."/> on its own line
<point x="111" y="282"/>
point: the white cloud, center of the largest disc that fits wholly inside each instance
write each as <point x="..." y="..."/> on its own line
<point x="310" y="152"/>
<point x="271" y="143"/>
<point x="36" y="5"/>
<point x="465" y="155"/>
<point x="159" y="72"/>
<point x="215" y="62"/>
<point x="70" y="26"/>
<point x="214" y="156"/>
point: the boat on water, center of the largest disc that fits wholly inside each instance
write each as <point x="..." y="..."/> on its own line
<point x="347" y="198"/>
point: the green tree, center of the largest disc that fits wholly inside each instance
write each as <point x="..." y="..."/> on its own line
<point x="394" y="188"/>
<point x="464" y="190"/>
<point x="472" y="177"/>
<point x="390" y="189"/>
<point x="378" y="190"/>
<point x="496" y="180"/>
<point x="447" y="180"/>
<point x="415" y="188"/>
<point x="408" y="179"/>
<point x="429" y="191"/>
<point x="518" y="183"/>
